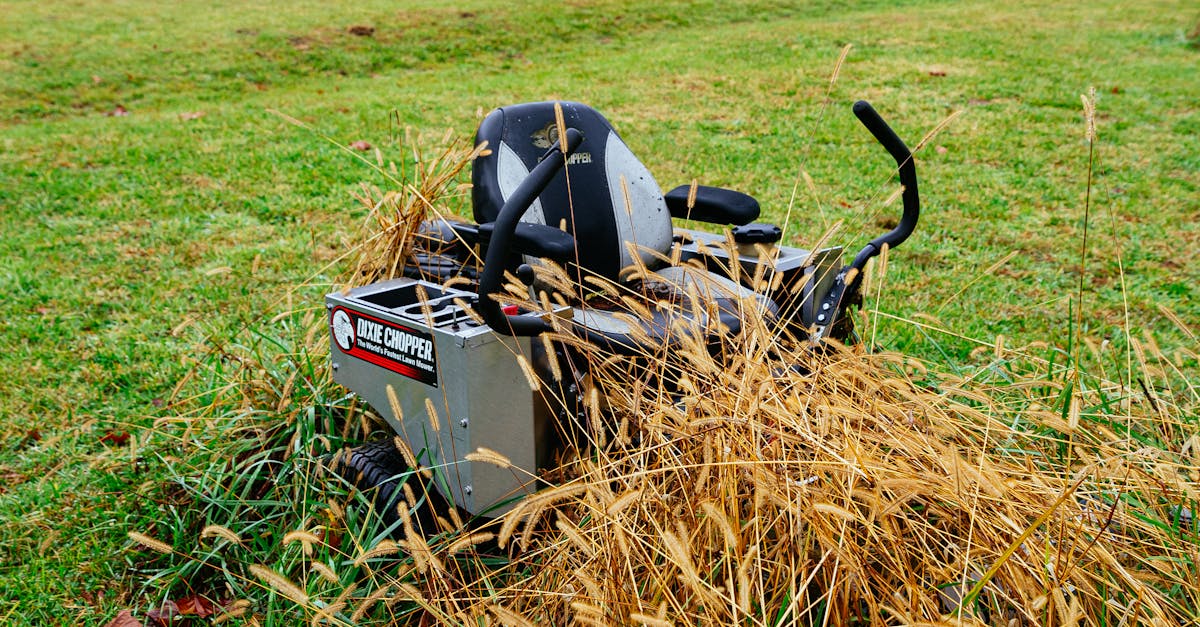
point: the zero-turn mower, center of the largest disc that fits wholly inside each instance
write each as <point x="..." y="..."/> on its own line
<point x="566" y="212"/>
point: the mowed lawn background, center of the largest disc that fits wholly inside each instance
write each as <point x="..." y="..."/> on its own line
<point x="151" y="201"/>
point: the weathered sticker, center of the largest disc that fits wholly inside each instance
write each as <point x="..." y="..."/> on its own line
<point x="386" y="344"/>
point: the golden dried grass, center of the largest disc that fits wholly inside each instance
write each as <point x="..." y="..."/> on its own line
<point x="390" y="230"/>
<point x="848" y="492"/>
<point x="753" y="492"/>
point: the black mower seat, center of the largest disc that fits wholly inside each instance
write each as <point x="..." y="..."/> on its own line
<point x="616" y="214"/>
<point x="596" y="209"/>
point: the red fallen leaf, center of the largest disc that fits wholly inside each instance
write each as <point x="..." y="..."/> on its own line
<point x="361" y="31"/>
<point x="33" y="435"/>
<point x="118" y="112"/>
<point x="158" y="402"/>
<point x="118" y="438"/>
<point x="195" y="605"/>
<point x="96" y="80"/>
<point x="191" y="115"/>
<point x="937" y="72"/>
<point x="45" y="311"/>
<point x="124" y="618"/>
<point x="941" y="150"/>
<point x="360" y="145"/>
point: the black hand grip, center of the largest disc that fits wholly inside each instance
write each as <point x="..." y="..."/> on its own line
<point x="500" y="246"/>
<point x="908" y="178"/>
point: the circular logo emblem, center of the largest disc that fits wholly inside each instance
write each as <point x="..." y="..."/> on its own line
<point x="343" y="330"/>
<point x="545" y="137"/>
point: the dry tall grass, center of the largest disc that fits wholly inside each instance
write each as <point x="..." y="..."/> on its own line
<point x="856" y="488"/>
<point x="846" y="494"/>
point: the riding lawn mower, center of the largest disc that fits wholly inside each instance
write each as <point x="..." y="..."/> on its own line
<point x="456" y="363"/>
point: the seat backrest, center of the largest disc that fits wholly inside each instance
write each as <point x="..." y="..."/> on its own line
<point x="596" y="213"/>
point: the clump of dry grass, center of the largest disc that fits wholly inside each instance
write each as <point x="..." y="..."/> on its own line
<point x="855" y="487"/>
<point x="766" y="495"/>
<point x="859" y="488"/>
<point x="390" y="230"/>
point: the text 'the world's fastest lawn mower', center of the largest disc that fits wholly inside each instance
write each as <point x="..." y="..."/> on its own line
<point x="558" y="193"/>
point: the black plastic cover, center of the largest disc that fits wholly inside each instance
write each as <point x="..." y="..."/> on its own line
<point x="757" y="233"/>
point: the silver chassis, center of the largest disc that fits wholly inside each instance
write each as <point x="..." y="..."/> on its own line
<point x="480" y="394"/>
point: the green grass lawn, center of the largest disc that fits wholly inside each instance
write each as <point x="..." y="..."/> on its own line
<point x="152" y="203"/>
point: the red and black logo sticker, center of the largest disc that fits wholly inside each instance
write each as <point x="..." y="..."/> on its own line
<point x="385" y="344"/>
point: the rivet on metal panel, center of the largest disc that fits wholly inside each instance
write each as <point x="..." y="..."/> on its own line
<point x="463" y="423"/>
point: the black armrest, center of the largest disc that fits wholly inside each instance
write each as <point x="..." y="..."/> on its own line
<point x="468" y="233"/>
<point x="713" y="205"/>
<point x="536" y="240"/>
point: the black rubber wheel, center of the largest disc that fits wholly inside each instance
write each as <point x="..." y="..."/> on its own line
<point x="379" y="471"/>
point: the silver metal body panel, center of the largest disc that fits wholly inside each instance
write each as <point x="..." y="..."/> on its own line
<point x="474" y="384"/>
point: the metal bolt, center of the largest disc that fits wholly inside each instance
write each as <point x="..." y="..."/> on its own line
<point x="467" y="490"/>
<point x="329" y="305"/>
<point x="335" y="366"/>
<point x="463" y="423"/>
<point x="821" y="318"/>
<point x="824" y="306"/>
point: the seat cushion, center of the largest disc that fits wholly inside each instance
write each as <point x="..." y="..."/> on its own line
<point x="718" y="310"/>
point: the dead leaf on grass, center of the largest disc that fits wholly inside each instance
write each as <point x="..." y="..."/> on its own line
<point x="124" y="618"/>
<point x="171" y="612"/>
<point x="195" y="605"/>
<point x="360" y="145"/>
